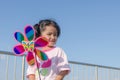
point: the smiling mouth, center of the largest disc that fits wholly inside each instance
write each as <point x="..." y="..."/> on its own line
<point x="52" y="41"/>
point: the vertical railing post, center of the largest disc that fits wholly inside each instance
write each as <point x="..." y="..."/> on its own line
<point x="96" y="73"/>
<point x="23" y="67"/>
<point x="109" y="74"/>
<point x="78" y="72"/>
<point x="73" y="71"/>
<point x="15" y="68"/>
<point x="0" y="61"/>
<point x="7" y="64"/>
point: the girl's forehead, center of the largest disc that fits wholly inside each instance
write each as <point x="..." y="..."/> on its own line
<point x="50" y="28"/>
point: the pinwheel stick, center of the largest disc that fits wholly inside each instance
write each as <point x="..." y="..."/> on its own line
<point x="37" y="67"/>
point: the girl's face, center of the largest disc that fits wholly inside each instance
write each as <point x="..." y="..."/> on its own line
<point x="50" y="33"/>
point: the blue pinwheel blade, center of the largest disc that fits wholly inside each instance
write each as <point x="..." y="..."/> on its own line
<point x="29" y="33"/>
<point x="19" y="37"/>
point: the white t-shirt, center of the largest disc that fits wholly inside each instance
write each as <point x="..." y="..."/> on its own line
<point x="59" y="63"/>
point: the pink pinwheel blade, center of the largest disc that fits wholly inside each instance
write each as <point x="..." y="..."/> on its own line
<point x="46" y="64"/>
<point x="30" y="58"/>
<point x="41" y="42"/>
<point x="19" y="49"/>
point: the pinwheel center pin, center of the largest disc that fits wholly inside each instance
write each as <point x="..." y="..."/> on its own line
<point x="28" y="45"/>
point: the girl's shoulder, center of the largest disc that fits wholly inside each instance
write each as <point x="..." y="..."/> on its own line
<point x="59" y="51"/>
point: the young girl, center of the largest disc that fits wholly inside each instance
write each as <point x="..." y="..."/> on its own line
<point x="59" y="64"/>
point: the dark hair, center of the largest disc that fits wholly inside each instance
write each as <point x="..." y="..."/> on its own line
<point x="42" y="24"/>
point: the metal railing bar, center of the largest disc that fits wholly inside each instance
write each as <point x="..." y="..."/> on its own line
<point x="7" y="65"/>
<point x="74" y="62"/>
<point x="15" y="60"/>
<point x="81" y="63"/>
<point x="23" y="67"/>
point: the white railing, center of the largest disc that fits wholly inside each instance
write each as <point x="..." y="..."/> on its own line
<point x="85" y="71"/>
<point x="14" y="68"/>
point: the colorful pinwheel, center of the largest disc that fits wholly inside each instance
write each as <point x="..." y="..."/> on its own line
<point x="29" y="44"/>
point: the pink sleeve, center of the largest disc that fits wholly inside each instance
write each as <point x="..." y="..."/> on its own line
<point x="63" y="62"/>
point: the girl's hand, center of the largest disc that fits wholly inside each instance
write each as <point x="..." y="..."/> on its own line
<point x="31" y="77"/>
<point x="61" y="75"/>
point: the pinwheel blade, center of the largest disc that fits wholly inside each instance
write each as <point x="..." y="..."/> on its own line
<point x="19" y="49"/>
<point x="19" y="37"/>
<point x="46" y="64"/>
<point x="41" y="55"/>
<point x="29" y="33"/>
<point x="30" y="58"/>
<point x="41" y="42"/>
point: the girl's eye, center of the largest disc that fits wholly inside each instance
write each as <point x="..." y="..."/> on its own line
<point x="55" y="34"/>
<point x="49" y="34"/>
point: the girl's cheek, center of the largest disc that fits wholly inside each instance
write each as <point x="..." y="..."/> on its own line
<point x="45" y="36"/>
<point x="48" y="38"/>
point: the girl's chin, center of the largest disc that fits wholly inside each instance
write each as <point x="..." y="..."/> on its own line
<point x="51" y="46"/>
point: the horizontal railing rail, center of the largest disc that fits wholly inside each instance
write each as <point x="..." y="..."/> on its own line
<point x="14" y="68"/>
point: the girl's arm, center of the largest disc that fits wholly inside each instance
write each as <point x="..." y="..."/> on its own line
<point x="61" y="75"/>
<point x="31" y="77"/>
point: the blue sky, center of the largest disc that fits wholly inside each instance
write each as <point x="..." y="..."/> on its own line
<point x="90" y="28"/>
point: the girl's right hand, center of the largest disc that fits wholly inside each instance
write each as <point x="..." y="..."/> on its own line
<point x="31" y="77"/>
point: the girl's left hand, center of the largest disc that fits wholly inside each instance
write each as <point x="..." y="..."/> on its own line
<point x="61" y="75"/>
